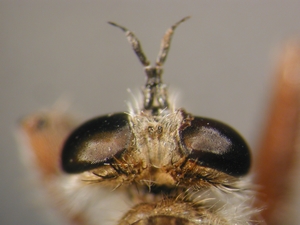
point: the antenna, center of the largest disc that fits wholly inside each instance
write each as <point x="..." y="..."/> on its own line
<point x="155" y="92"/>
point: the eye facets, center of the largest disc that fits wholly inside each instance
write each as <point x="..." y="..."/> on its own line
<point x="216" y="145"/>
<point x="96" y="142"/>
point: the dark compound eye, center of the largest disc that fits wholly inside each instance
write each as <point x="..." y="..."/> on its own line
<point x="96" y="142"/>
<point x="216" y="145"/>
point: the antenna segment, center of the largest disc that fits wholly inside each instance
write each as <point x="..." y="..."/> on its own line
<point x="155" y="91"/>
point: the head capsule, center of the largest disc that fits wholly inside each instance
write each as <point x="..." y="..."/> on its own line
<point x="207" y="142"/>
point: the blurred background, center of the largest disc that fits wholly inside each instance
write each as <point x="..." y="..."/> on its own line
<point x="220" y="65"/>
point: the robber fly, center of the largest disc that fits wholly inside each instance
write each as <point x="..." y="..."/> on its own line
<point x="155" y="164"/>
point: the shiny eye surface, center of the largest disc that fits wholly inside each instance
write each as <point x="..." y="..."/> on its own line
<point x="216" y="145"/>
<point x="96" y="142"/>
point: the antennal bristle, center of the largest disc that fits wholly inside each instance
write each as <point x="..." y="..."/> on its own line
<point x="166" y="43"/>
<point x="135" y="43"/>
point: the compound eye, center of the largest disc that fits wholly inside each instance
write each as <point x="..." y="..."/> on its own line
<point x="96" y="142"/>
<point x="216" y="145"/>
